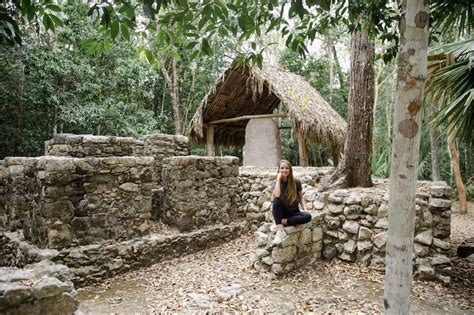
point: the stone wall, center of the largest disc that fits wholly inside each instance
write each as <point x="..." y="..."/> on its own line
<point x="91" y="199"/>
<point x="19" y="191"/>
<point x="255" y="190"/>
<point x="42" y="288"/>
<point x="88" y="145"/>
<point x="159" y="146"/>
<point x="302" y="246"/>
<point x="60" y="201"/>
<point x="4" y="189"/>
<point x="95" y="262"/>
<point x="200" y="191"/>
<point x="355" y="226"/>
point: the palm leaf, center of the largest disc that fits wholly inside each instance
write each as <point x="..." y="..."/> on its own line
<point x="451" y="73"/>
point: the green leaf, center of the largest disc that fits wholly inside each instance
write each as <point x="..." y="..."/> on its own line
<point x="47" y="22"/>
<point x="125" y="31"/>
<point x="114" y="28"/>
<point x="223" y="32"/>
<point x="53" y="7"/>
<point x="205" y="47"/>
<point x="246" y="23"/>
<point x="175" y="55"/>
<point x="149" y="56"/>
<point x="56" y="20"/>
<point x="149" y="12"/>
<point x="201" y="23"/>
<point x="325" y="4"/>
<point x="91" y="50"/>
<point x="191" y="45"/>
<point x="297" y="6"/>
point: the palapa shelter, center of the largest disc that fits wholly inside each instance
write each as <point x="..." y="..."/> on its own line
<point x="247" y="92"/>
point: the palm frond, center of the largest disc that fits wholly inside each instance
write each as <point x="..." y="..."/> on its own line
<point x="451" y="84"/>
<point x="448" y="16"/>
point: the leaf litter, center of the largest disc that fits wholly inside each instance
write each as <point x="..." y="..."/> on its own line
<point x="221" y="279"/>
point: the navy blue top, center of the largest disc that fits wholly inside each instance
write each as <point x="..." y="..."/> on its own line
<point x="284" y="193"/>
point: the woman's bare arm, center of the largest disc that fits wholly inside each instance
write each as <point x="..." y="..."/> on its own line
<point x="277" y="190"/>
<point x="303" y="204"/>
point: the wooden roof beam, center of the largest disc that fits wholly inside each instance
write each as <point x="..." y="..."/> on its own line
<point x="247" y="117"/>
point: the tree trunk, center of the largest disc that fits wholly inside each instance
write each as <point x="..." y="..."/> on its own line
<point x="331" y="66"/>
<point x="355" y="167"/>
<point x="211" y="150"/>
<point x="435" y="174"/>
<point x="338" y="67"/>
<point x="454" y="155"/>
<point x="189" y="102"/>
<point x="412" y="62"/>
<point x="303" y="150"/>
<point x="172" y="83"/>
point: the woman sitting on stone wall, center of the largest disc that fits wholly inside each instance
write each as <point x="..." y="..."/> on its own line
<point x="287" y="195"/>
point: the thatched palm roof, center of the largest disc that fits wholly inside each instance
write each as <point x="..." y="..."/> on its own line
<point x="251" y="91"/>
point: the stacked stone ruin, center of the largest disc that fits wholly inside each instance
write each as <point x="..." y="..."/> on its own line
<point x="301" y="247"/>
<point x="355" y="222"/>
<point x="94" y="204"/>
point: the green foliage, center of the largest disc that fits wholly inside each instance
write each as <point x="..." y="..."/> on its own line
<point x="451" y="84"/>
<point x="13" y="14"/>
<point x="53" y="83"/>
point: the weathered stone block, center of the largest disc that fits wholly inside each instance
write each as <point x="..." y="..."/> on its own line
<point x="351" y="227"/>
<point x="425" y="237"/>
<point x="380" y="239"/>
<point x="317" y="234"/>
<point x="365" y="233"/>
<point x="305" y="237"/>
<point x="282" y="255"/>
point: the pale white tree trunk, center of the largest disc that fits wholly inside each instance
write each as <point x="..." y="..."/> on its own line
<point x="412" y="62"/>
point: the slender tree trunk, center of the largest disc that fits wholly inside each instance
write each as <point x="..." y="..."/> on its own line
<point x="189" y="102"/>
<point x="340" y="75"/>
<point x="163" y="100"/>
<point x="331" y="66"/>
<point x="412" y="62"/>
<point x="377" y="86"/>
<point x="376" y="90"/>
<point x="454" y="155"/>
<point x="55" y="120"/>
<point x="435" y="174"/>
<point x="172" y="83"/>
<point x="19" y="110"/>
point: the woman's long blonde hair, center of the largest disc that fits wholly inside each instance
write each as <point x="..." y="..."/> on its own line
<point x="291" y="193"/>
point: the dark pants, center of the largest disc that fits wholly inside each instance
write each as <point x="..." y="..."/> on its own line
<point x="293" y="215"/>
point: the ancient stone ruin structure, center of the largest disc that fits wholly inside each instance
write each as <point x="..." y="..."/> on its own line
<point x="96" y="207"/>
<point x="40" y="288"/>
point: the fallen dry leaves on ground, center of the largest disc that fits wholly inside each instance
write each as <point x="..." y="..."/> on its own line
<point x="221" y="279"/>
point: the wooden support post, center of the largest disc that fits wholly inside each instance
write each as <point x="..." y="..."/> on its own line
<point x="303" y="150"/>
<point x="211" y="150"/>
<point x="335" y="155"/>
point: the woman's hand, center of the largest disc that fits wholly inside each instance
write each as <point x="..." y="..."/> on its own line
<point x="276" y="190"/>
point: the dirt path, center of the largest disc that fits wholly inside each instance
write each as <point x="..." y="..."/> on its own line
<point x="221" y="279"/>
